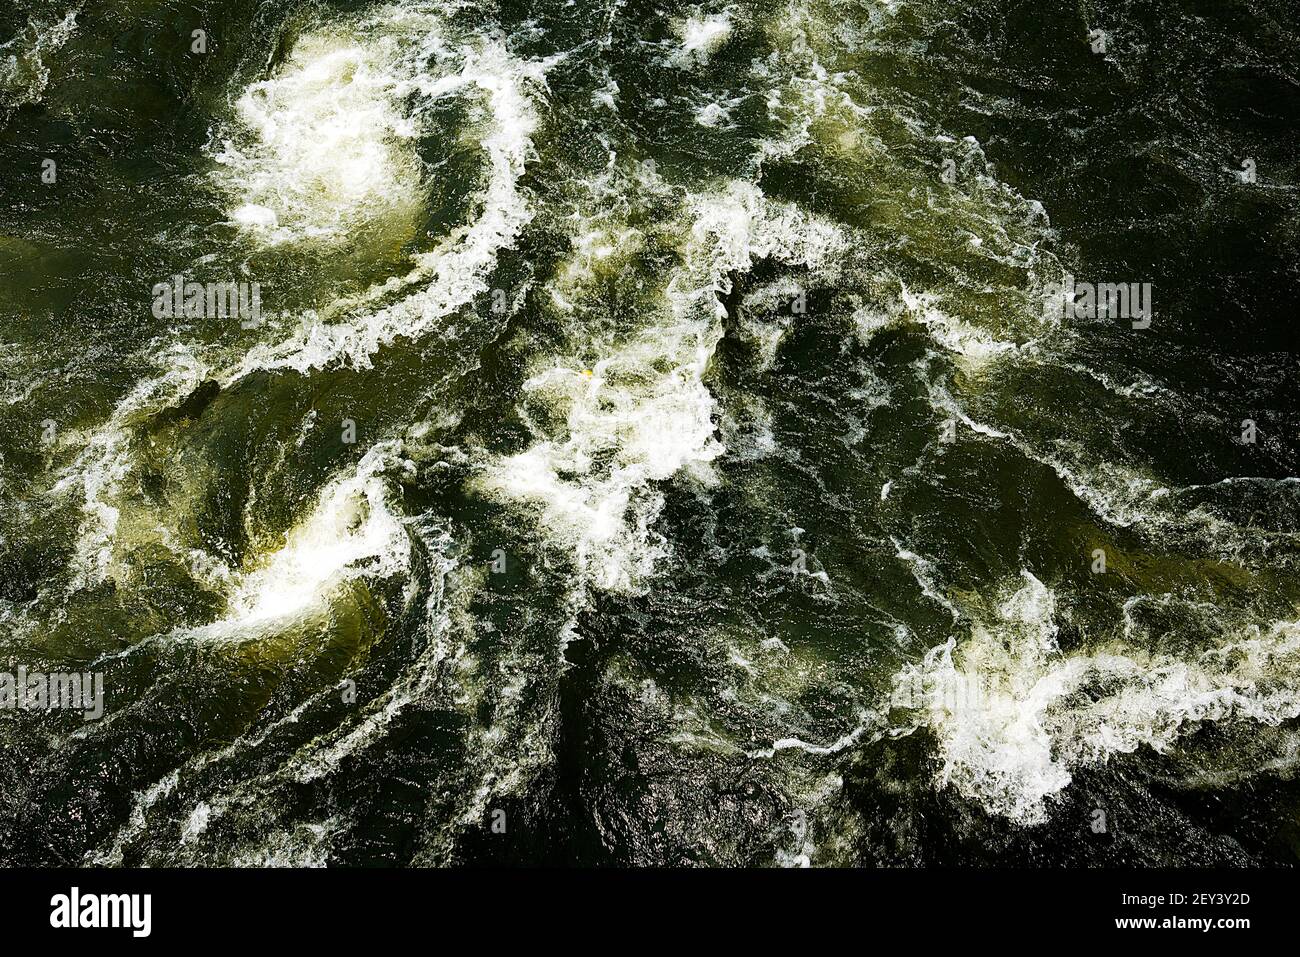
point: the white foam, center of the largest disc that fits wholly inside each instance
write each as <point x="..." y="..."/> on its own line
<point x="144" y="800"/>
<point x="351" y="532"/>
<point x="1013" y="715"/>
<point x="448" y="277"/>
<point x="712" y="115"/>
<point x="197" y="823"/>
<point x="974" y="347"/>
<point x="922" y="569"/>
<point x="441" y="610"/>
<point x="105" y="460"/>
<point x="305" y="845"/>
<point x="701" y="35"/>
<point x="324" y="145"/>
<point x="867" y="726"/>
<point x="644" y="414"/>
<point x="1121" y="494"/>
<point x="24" y="74"/>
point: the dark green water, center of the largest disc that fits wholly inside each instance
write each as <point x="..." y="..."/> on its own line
<point x="654" y="448"/>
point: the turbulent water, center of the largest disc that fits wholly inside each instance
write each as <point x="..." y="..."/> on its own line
<point x="657" y="443"/>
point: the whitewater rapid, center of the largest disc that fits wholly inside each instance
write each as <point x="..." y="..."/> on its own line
<point x="520" y="439"/>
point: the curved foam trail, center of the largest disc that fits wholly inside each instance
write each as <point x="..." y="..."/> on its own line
<point x="974" y="347"/>
<point x="112" y="851"/>
<point x="350" y="533"/>
<point x="320" y="756"/>
<point x="324" y="146"/>
<point x="644" y="410"/>
<point x="1122" y="495"/>
<point x="455" y="272"/>
<point x="98" y="471"/>
<point x="1013" y="715"/>
<point x="923" y="571"/>
<point x="324" y="754"/>
<point x="451" y="275"/>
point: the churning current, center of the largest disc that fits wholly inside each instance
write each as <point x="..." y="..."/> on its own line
<point x="775" y="432"/>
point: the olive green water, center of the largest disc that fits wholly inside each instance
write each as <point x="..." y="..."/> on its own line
<point x="654" y="448"/>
